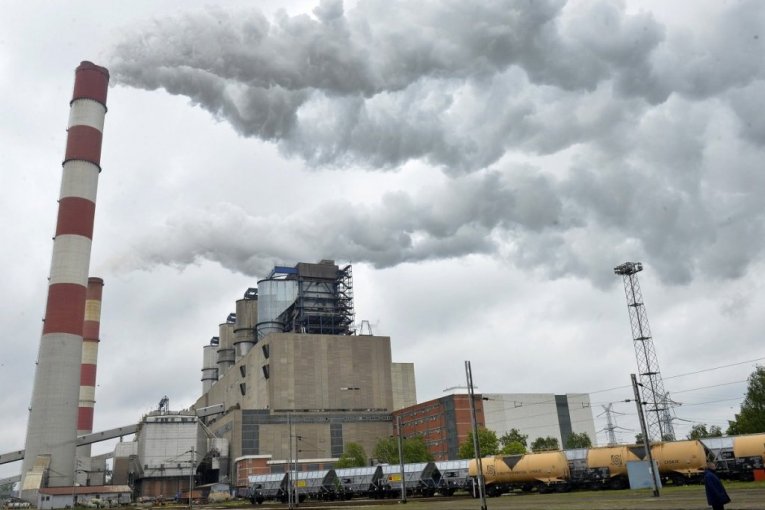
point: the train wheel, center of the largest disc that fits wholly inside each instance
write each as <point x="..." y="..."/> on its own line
<point x="493" y="491"/>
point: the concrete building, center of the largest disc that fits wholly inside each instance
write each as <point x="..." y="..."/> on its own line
<point x="171" y="450"/>
<point x="445" y="422"/>
<point x="404" y="388"/>
<point x="290" y="371"/>
<point x="539" y="414"/>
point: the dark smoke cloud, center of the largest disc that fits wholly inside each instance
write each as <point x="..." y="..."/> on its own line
<point x="660" y="129"/>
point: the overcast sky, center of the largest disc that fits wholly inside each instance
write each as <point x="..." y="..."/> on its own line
<point x="483" y="165"/>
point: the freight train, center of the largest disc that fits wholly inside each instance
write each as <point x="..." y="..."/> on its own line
<point x="679" y="462"/>
<point x="377" y="482"/>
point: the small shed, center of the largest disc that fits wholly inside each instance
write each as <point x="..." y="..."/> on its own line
<point x="93" y="496"/>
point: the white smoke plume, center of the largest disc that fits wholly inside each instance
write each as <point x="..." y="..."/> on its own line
<point x="660" y="129"/>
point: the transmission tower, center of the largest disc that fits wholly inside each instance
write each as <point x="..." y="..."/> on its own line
<point x="611" y="425"/>
<point x="655" y="400"/>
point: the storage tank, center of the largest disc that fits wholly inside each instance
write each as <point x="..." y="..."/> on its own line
<point x="209" y="367"/>
<point x="685" y="458"/>
<point x="274" y="297"/>
<point x="226" y="355"/>
<point x="245" y="325"/>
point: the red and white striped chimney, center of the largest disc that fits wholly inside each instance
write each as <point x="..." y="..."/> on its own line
<point x="52" y="425"/>
<point x="90" y="337"/>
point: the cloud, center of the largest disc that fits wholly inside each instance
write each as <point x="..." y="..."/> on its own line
<point x="655" y="128"/>
<point x="388" y="81"/>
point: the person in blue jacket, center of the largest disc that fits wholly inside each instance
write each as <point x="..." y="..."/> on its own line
<point x="716" y="495"/>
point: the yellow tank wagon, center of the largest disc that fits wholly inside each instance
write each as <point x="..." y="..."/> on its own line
<point x="750" y="447"/>
<point x="545" y="471"/>
<point x="607" y="466"/>
<point x="680" y="462"/>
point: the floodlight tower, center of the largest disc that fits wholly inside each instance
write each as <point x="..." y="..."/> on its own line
<point x="652" y="387"/>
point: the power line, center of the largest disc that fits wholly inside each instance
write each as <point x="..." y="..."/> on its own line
<point x="715" y="368"/>
<point x="708" y="387"/>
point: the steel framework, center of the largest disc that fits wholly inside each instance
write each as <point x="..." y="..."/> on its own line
<point x="655" y="400"/>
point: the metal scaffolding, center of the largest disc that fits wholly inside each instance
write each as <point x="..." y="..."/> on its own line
<point x="324" y="304"/>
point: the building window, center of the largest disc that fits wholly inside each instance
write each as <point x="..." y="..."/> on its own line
<point x="266" y="371"/>
<point x="265" y="349"/>
<point x="243" y="388"/>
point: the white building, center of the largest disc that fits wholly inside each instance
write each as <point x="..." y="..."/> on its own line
<point x="539" y="415"/>
<point x="102" y="496"/>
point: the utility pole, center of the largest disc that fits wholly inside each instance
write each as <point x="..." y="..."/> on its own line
<point x="401" y="459"/>
<point x="296" y="497"/>
<point x="191" y="478"/>
<point x="479" y="465"/>
<point x="289" y="462"/>
<point x="646" y="443"/>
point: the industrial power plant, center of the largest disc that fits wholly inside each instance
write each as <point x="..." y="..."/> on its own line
<point x="288" y="365"/>
<point x="288" y="381"/>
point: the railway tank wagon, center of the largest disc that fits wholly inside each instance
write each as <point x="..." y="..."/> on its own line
<point x="750" y="451"/>
<point x="545" y="472"/>
<point x="602" y="467"/>
<point x="680" y="462"/>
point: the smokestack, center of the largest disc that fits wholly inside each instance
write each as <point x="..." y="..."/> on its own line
<point x="52" y="425"/>
<point x="90" y="338"/>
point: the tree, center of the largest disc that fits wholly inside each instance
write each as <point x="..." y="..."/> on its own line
<point x="575" y="440"/>
<point x="415" y="450"/>
<point x="541" y="444"/>
<point x="353" y="456"/>
<point x="513" y="442"/>
<point x="488" y="444"/>
<point x="513" y="448"/>
<point x="514" y="436"/>
<point x="751" y="418"/>
<point x="700" y="431"/>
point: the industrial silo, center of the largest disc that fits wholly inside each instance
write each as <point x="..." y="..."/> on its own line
<point x="274" y="297"/>
<point x="246" y="323"/>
